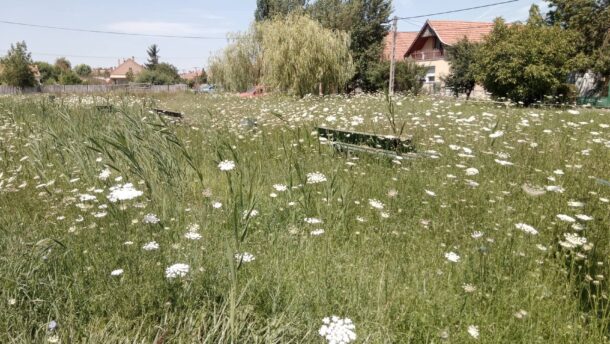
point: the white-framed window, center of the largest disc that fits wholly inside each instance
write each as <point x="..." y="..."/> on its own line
<point x="430" y="74"/>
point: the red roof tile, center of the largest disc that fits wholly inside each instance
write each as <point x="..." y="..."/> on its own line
<point x="122" y="70"/>
<point x="403" y="42"/>
<point x="451" y="32"/>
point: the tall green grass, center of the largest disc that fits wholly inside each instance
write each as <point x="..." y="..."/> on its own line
<point x="386" y="272"/>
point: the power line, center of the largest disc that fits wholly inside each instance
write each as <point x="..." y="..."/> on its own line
<point x="458" y="10"/>
<point x="104" y="32"/>
<point x="112" y="57"/>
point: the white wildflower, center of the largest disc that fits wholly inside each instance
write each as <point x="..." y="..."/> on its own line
<point x="123" y="193"/>
<point x="150" y="219"/>
<point x="151" y="246"/>
<point x="376" y="204"/>
<point x="245" y="257"/>
<point x="526" y="228"/>
<point x="315" y="178"/>
<point x="338" y="331"/>
<point x="476" y="234"/>
<point x="192" y="235"/>
<point x="87" y="197"/>
<point x="452" y="257"/>
<point x="566" y="218"/>
<point x="472" y="171"/>
<point x="280" y="187"/>
<point x="226" y="165"/>
<point x="117" y="272"/>
<point x="496" y="134"/>
<point x="473" y="331"/>
<point x="313" y="220"/>
<point x="177" y="270"/>
<point x="105" y="174"/>
<point x="317" y="232"/>
<point x="503" y="162"/>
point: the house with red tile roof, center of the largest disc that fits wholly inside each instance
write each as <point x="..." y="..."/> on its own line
<point x="403" y="42"/>
<point x="429" y="47"/>
<point x="120" y="73"/>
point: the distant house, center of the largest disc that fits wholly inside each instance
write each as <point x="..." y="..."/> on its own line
<point x="191" y="76"/>
<point x="120" y="73"/>
<point x="429" y="48"/>
<point x="403" y="42"/>
<point x="36" y="72"/>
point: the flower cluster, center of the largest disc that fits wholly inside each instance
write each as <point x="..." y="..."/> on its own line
<point x="338" y="331"/>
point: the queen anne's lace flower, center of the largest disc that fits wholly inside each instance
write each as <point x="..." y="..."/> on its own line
<point x="338" y="331"/>
<point x="315" y="178"/>
<point x="376" y="204"/>
<point x="150" y="219"/>
<point x="245" y="257"/>
<point x="526" y="228"/>
<point x="151" y="246"/>
<point x="177" y="270"/>
<point x="473" y="331"/>
<point x="452" y="257"/>
<point x="226" y="165"/>
<point x="123" y="193"/>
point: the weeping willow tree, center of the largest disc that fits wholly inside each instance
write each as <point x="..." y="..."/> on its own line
<point x="238" y="66"/>
<point x="299" y="56"/>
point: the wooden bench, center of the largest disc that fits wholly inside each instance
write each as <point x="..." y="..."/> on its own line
<point x="169" y="113"/>
<point x="382" y="145"/>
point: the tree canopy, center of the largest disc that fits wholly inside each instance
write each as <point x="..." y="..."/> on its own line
<point x="238" y="66"/>
<point x="162" y="74"/>
<point x="82" y="70"/>
<point x="299" y="54"/>
<point x="462" y="59"/>
<point x="366" y="21"/>
<point x="16" y="66"/>
<point x="525" y="62"/>
<point x="153" y="56"/>
<point x="590" y="20"/>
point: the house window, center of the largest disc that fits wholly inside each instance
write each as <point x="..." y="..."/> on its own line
<point x="437" y="43"/>
<point x="430" y="74"/>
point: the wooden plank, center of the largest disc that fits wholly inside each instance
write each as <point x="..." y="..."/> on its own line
<point x="388" y="143"/>
<point x="169" y="113"/>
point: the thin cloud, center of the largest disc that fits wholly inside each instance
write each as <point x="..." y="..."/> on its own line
<point x="163" y="28"/>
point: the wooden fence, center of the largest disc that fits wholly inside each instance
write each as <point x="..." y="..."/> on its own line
<point x="133" y="88"/>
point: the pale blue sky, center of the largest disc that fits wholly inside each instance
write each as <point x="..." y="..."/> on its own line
<point x="185" y="17"/>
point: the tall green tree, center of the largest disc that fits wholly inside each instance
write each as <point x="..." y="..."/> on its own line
<point x="63" y="64"/>
<point x="153" y="56"/>
<point x="162" y="74"/>
<point x="48" y="73"/>
<point x="299" y="55"/>
<point x="462" y="59"/>
<point x="16" y="66"/>
<point x="525" y="62"/>
<point x="268" y="9"/>
<point x="369" y="26"/>
<point x="408" y="76"/>
<point x="83" y="70"/>
<point x="590" y="19"/>
<point x="238" y="66"/>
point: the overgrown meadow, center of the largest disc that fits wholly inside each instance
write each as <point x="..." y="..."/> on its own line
<point x="238" y="225"/>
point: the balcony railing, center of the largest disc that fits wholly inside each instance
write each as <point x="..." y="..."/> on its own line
<point x="427" y="55"/>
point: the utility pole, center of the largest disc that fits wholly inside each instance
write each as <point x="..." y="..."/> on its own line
<point x="393" y="59"/>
